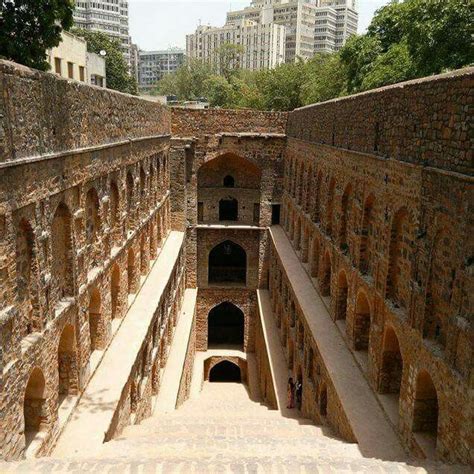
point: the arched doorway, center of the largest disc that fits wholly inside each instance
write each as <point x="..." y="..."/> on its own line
<point x="392" y="364"/>
<point x="61" y="243"/>
<point x="228" y="209"/>
<point x="225" y="371"/>
<point x="131" y="271"/>
<point x="94" y="319"/>
<point x="361" y="323"/>
<point x="226" y="325"/>
<point x="341" y="303"/>
<point x="227" y="263"/>
<point x="67" y="364"/>
<point x="115" y="290"/>
<point x="34" y="405"/>
<point x="425" y="410"/>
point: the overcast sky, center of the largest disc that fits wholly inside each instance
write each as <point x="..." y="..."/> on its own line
<point x="158" y="24"/>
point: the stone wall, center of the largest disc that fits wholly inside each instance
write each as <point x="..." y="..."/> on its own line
<point x="41" y="114"/>
<point x="202" y="123"/>
<point x="424" y="122"/>
<point x="387" y="241"/>
<point x="84" y="208"/>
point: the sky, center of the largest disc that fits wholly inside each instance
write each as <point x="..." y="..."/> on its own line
<point x="159" y="24"/>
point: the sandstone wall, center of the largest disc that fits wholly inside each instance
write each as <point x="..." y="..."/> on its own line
<point x="424" y="121"/>
<point x="202" y="123"/>
<point x="42" y="114"/>
<point x="84" y="209"/>
<point x="385" y="234"/>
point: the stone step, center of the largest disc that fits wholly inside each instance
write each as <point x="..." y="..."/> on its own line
<point x="218" y="465"/>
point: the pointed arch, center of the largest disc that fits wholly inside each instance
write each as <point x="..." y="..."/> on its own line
<point x="227" y="263"/>
<point x="392" y="363"/>
<point x="426" y="408"/>
<point x="366" y="236"/>
<point x="330" y="206"/>
<point x="26" y="270"/>
<point x="226" y="324"/>
<point x="362" y="321"/>
<point x="115" y="291"/>
<point x="61" y="242"/>
<point x="35" y="408"/>
<point x="346" y="204"/>
<point x="67" y="364"/>
<point x="325" y="284"/>
<point x="95" y="319"/>
<point x="342" y="292"/>
<point x="399" y="265"/>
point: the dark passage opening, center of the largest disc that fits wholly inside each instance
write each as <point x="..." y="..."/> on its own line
<point x="228" y="210"/>
<point x="225" y="371"/>
<point x="226" y="325"/>
<point x="276" y="214"/>
<point x="227" y="263"/>
<point x="229" y="182"/>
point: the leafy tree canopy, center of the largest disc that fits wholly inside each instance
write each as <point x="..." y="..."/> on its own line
<point x="28" y="28"/>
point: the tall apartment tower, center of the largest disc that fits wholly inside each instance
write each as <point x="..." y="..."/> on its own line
<point x="336" y="20"/>
<point x="106" y="16"/>
<point x="298" y="17"/>
<point x="263" y="43"/>
<point x="153" y="65"/>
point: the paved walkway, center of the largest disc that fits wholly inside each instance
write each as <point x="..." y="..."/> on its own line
<point x="371" y="428"/>
<point x="277" y="361"/>
<point x="92" y="417"/>
<point x="169" y="387"/>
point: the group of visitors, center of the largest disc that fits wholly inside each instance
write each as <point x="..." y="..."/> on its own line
<point x="295" y="392"/>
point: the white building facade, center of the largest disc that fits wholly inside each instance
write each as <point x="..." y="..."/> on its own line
<point x="153" y="65"/>
<point x="336" y="21"/>
<point x="107" y="16"/>
<point x="71" y="60"/>
<point x="263" y="44"/>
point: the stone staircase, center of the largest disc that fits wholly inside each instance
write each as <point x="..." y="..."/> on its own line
<point x="223" y="430"/>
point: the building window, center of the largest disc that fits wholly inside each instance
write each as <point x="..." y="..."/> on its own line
<point x="70" y="70"/>
<point x="81" y="74"/>
<point x="57" y="65"/>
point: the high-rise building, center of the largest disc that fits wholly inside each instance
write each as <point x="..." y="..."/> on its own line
<point x="153" y="65"/>
<point x="336" y="20"/>
<point x="312" y="26"/>
<point x="106" y="16"/>
<point x="263" y="43"/>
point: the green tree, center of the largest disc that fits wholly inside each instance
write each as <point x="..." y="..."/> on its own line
<point x="118" y="75"/>
<point x="389" y="68"/>
<point x="358" y="56"/>
<point x="439" y="34"/>
<point x="325" y="79"/>
<point x="188" y="82"/>
<point x="218" y="91"/>
<point x="228" y="59"/>
<point x="281" y="87"/>
<point x="29" y="28"/>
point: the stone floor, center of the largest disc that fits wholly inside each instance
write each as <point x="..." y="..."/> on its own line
<point x="222" y="431"/>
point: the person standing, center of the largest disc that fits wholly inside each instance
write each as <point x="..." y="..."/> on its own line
<point x="298" y="394"/>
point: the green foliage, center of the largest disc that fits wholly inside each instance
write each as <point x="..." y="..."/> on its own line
<point x="29" y="28"/>
<point x="228" y="59"/>
<point x="118" y="76"/>
<point x="325" y="79"/>
<point x="405" y="40"/>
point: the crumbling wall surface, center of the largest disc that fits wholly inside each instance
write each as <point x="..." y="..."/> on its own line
<point x="41" y="113"/>
<point x="424" y="121"/>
